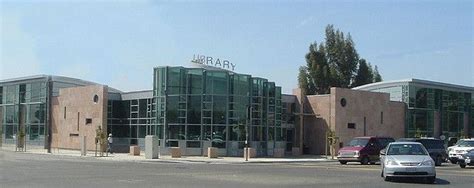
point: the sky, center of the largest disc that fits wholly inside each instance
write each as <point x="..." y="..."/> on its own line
<point x="117" y="43"/>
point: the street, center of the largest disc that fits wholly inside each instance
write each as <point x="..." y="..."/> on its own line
<point x="40" y="170"/>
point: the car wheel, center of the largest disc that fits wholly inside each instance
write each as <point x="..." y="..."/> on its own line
<point x="431" y="180"/>
<point x="343" y="162"/>
<point x="438" y="161"/>
<point x="372" y="163"/>
<point x="452" y="161"/>
<point x="364" y="161"/>
<point x="386" y="178"/>
<point x="462" y="165"/>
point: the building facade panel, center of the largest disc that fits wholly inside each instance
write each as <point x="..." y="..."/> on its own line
<point x="78" y="112"/>
<point x="351" y="113"/>
<point x="434" y="109"/>
<point x="198" y="107"/>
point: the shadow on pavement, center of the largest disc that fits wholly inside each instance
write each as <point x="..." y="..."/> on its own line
<point x="420" y="181"/>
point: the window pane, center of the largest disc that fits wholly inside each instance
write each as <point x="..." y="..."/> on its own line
<point x="219" y="113"/>
<point x="176" y="132"/>
<point x="194" y="132"/>
<point x="237" y="132"/>
<point x="194" y="110"/>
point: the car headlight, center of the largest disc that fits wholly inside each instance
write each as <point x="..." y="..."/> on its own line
<point x="450" y="149"/>
<point x="427" y="163"/>
<point x="391" y="162"/>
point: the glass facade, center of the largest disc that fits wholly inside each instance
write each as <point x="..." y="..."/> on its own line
<point x="24" y="106"/>
<point x="23" y="110"/>
<point x="197" y="107"/>
<point x="130" y="121"/>
<point x="434" y="110"/>
<point x="191" y="108"/>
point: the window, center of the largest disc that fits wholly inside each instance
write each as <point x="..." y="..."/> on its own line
<point x="96" y="99"/>
<point x="351" y="125"/>
<point x="88" y="121"/>
<point x="381" y="117"/>
<point x="1" y="95"/>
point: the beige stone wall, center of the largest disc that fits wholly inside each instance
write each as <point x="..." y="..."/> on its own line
<point x="316" y="126"/>
<point x="359" y="104"/>
<point x="370" y="105"/>
<point x="77" y="105"/>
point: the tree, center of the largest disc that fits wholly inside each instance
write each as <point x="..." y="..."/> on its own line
<point x="364" y="74"/>
<point x="377" y="76"/>
<point x="303" y="79"/>
<point x="334" y="63"/>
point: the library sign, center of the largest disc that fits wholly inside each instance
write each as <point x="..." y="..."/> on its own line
<point x="215" y="62"/>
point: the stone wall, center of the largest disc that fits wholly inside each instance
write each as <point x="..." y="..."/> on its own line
<point x="70" y="111"/>
<point x="362" y="108"/>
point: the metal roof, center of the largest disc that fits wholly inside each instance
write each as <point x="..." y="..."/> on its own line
<point x="426" y="83"/>
<point x="145" y="94"/>
<point x="54" y="78"/>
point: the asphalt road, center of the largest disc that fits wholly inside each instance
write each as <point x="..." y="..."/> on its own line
<point x="36" y="170"/>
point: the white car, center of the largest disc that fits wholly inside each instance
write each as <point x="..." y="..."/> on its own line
<point x="407" y="159"/>
<point x="460" y="148"/>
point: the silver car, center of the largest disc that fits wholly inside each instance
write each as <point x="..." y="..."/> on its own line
<point x="407" y="159"/>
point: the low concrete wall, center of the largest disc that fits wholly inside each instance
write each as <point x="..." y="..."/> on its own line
<point x="252" y="153"/>
<point x="212" y="152"/>
<point x="175" y="152"/>
<point x="134" y="150"/>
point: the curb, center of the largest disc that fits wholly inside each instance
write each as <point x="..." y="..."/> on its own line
<point x="177" y="160"/>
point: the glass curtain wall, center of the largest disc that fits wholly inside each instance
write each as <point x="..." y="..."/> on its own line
<point x="23" y="110"/>
<point x="131" y="120"/>
<point x="197" y="105"/>
<point x="426" y="103"/>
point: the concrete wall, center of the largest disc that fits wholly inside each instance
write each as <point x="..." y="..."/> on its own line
<point x="370" y="105"/>
<point x="69" y="113"/>
<point x="359" y="104"/>
<point x="317" y="126"/>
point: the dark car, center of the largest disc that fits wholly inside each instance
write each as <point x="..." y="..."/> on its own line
<point x="466" y="159"/>
<point x="363" y="149"/>
<point x="434" y="146"/>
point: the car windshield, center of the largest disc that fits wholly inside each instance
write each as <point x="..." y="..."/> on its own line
<point x="459" y="142"/>
<point x="406" y="149"/>
<point x="469" y="143"/>
<point x="358" y="142"/>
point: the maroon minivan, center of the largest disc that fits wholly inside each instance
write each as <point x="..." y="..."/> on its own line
<point x="363" y="149"/>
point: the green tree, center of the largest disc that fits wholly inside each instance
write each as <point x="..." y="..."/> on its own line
<point x="334" y="63"/>
<point x="364" y="74"/>
<point x="377" y="76"/>
<point x="303" y="79"/>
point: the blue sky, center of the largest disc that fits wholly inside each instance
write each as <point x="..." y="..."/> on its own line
<point x="117" y="43"/>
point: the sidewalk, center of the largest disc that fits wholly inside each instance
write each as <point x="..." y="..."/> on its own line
<point x="183" y="159"/>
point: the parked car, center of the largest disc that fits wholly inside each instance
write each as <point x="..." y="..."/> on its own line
<point x="363" y="149"/>
<point x="434" y="146"/>
<point x="460" y="148"/>
<point x="466" y="159"/>
<point x="407" y="159"/>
